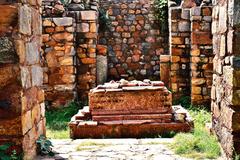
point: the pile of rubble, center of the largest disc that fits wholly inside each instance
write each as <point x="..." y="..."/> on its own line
<point x="129" y="109"/>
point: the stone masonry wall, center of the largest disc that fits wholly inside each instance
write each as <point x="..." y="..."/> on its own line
<point x="201" y="55"/>
<point x="75" y="25"/>
<point x="179" y="40"/>
<point x="191" y="55"/>
<point x="86" y="24"/>
<point x="22" y="118"/>
<point x="226" y="63"/>
<point x="134" y="40"/>
<point x="86" y="51"/>
<point x="59" y="54"/>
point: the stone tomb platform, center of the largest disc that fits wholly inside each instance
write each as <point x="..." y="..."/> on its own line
<point x="129" y="109"/>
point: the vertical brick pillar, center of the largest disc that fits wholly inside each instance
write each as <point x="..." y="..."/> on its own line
<point x="201" y="55"/>
<point x="179" y="28"/>
<point x="22" y="109"/>
<point x="226" y="85"/>
<point x="165" y="64"/>
<point x="86" y="39"/>
<point x="59" y="54"/>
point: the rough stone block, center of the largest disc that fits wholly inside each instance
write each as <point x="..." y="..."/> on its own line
<point x="184" y="26"/>
<point x="83" y="27"/>
<point x="65" y="21"/>
<point x="223" y="18"/>
<point x="37" y="75"/>
<point x="9" y="74"/>
<point x="126" y="101"/>
<point x="102" y="67"/>
<point x="8" y="17"/>
<point x="127" y="130"/>
<point x="7" y="51"/>
<point x="88" y="15"/>
<point x="26" y="122"/>
<point x="25" y="17"/>
<point x="178" y="40"/>
<point x="202" y="38"/>
<point x="63" y="37"/>
<point x="32" y="53"/>
<point x="26" y="77"/>
<point x="11" y="127"/>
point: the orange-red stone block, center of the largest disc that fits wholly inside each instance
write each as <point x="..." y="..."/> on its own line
<point x="129" y="109"/>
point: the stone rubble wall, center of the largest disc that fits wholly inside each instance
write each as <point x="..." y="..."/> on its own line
<point x="201" y="55"/>
<point x="137" y="54"/>
<point x="76" y="32"/>
<point x="134" y="40"/>
<point x="190" y="61"/>
<point x="133" y="47"/>
<point x="59" y="54"/>
<point x="179" y="22"/>
<point x="87" y="33"/>
<point x="225" y="89"/>
<point x="22" y="109"/>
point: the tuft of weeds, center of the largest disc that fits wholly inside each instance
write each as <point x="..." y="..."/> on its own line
<point x="199" y="144"/>
<point x="57" y="120"/>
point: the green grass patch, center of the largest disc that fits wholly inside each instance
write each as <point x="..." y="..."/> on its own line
<point x="199" y="144"/>
<point x="57" y="120"/>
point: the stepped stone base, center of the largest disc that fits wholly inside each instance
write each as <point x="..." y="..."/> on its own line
<point x="124" y="126"/>
<point x="133" y="109"/>
<point x="126" y="131"/>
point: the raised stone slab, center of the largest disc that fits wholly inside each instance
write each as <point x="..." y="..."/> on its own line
<point x="128" y="130"/>
<point x="130" y="101"/>
<point x="129" y="109"/>
<point x="119" y="126"/>
<point x="133" y="117"/>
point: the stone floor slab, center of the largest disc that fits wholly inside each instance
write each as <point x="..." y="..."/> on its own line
<point x="113" y="149"/>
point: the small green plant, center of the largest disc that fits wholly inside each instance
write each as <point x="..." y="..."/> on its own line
<point x="44" y="146"/>
<point x="161" y="10"/>
<point x="104" y="20"/>
<point x="184" y="101"/>
<point x="236" y="156"/>
<point x="14" y="155"/>
<point x="7" y="154"/>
